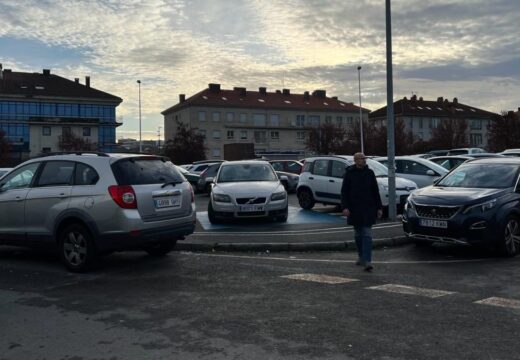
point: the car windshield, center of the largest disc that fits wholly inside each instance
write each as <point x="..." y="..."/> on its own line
<point x="246" y="172"/>
<point x="379" y="169"/>
<point x="489" y="176"/>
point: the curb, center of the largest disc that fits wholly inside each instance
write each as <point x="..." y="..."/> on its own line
<point x="285" y="247"/>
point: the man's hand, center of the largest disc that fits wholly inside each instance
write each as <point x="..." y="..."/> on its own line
<point x="379" y="214"/>
<point x="346" y="212"/>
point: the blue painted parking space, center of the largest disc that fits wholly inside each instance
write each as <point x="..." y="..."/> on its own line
<point x="297" y="216"/>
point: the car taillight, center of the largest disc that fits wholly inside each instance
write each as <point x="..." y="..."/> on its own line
<point x="192" y="194"/>
<point x="124" y="196"/>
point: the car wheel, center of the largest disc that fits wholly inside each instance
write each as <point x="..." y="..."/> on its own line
<point x="211" y="214"/>
<point x="161" y="249"/>
<point x="510" y="244"/>
<point x="77" y="249"/>
<point x="285" y="185"/>
<point x="207" y="189"/>
<point x="283" y="218"/>
<point x="306" y="199"/>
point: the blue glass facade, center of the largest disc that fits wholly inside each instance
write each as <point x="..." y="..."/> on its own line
<point x="15" y="114"/>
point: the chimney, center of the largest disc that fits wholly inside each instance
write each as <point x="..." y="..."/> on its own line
<point x="241" y="90"/>
<point x="87" y="81"/>
<point x="182" y="98"/>
<point x="455" y="100"/>
<point x="306" y="95"/>
<point x="262" y="90"/>
<point x="319" y="93"/>
<point x="334" y="98"/>
<point x="287" y="91"/>
<point x="278" y="92"/>
<point x="519" y="109"/>
<point x="421" y="99"/>
<point x="76" y="80"/>
<point x="214" y="87"/>
<point x="46" y="72"/>
<point x="405" y="98"/>
<point x="440" y="99"/>
<point x="414" y="98"/>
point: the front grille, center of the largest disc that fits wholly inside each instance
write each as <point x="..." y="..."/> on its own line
<point x="436" y="212"/>
<point x="251" y="200"/>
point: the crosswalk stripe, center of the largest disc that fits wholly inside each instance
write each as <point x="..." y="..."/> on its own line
<point x="411" y="290"/>
<point x="502" y="302"/>
<point x="320" y="278"/>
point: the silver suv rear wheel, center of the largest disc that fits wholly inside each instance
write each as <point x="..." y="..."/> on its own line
<point x="77" y="250"/>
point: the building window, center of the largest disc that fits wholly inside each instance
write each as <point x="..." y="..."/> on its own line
<point x="243" y="118"/>
<point x="66" y="131"/>
<point x="215" y="153"/>
<point x="259" y="119"/>
<point x="243" y="135"/>
<point x="475" y="139"/>
<point x="216" y="116"/>
<point x="86" y="131"/>
<point x="314" y="120"/>
<point x="46" y="150"/>
<point x="300" y="136"/>
<point x="349" y="120"/>
<point x="475" y="124"/>
<point x="411" y="123"/>
<point x="275" y="120"/>
<point x="230" y="134"/>
<point x="420" y="136"/>
<point x="216" y="134"/>
<point x="420" y="123"/>
<point x="260" y="137"/>
<point x="434" y="122"/>
<point x="46" y="131"/>
<point x="275" y="135"/>
<point x="230" y="117"/>
<point x="202" y="116"/>
<point x="202" y="132"/>
<point x="328" y="119"/>
<point x="339" y="121"/>
<point x="300" y="120"/>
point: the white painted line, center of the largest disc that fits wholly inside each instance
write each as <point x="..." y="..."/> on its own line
<point x="320" y="278"/>
<point x="501" y="302"/>
<point x="411" y="290"/>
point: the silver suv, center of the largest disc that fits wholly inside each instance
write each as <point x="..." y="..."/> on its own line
<point x="90" y="204"/>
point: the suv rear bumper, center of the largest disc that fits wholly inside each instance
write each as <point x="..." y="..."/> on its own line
<point x="139" y="238"/>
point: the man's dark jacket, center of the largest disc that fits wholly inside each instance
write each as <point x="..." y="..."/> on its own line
<point x="360" y="194"/>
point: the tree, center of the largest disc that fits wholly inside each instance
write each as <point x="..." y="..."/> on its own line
<point x="326" y="139"/>
<point x="504" y="132"/>
<point x="70" y="142"/>
<point x="186" y="147"/>
<point x="4" y="149"/>
<point x="449" y="134"/>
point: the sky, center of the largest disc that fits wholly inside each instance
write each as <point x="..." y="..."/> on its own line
<point x="469" y="49"/>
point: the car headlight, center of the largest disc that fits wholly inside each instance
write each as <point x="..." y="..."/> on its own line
<point x="221" y="198"/>
<point x="279" y="196"/>
<point x="488" y="205"/>
<point x="408" y="204"/>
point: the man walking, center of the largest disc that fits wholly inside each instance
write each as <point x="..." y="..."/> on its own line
<point x="361" y="205"/>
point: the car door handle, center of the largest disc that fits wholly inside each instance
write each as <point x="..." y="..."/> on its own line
<point x="63" y="195"/>
<point x="331" y="181"/>
<point x="18" y="198"/>
<point x="311" y="178"/>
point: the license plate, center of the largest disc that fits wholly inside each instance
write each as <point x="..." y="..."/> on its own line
<point x="251" y="208"/>
<point x="166" y="202"/>
<point x="434" y="223"/>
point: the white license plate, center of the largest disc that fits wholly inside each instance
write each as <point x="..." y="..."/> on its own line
<point x="166" y="202"/>
<point x="434" y="223"/>
<point x="251" y="208"/>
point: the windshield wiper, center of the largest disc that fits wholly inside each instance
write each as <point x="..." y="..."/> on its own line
<point x="171" y="183"/>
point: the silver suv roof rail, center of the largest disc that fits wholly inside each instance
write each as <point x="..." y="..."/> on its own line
<point x="74" y="153"/>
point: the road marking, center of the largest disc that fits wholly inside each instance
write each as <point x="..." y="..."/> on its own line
<point x="320" y="278"/>
<point x="501" y="302"/>
<point x="411" y="290"/>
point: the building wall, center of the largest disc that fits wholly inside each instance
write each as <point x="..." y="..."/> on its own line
<point x="283" y="129"/>
<point x="40" y="142"/>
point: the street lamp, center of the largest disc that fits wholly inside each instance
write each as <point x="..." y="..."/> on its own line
<point x="360" y="110"/>
<point x="140" y="138"/>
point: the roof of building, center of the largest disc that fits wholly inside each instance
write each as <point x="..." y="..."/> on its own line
<point x="239" y="97"/>
<point x="45" y="84"/>
<point x="440" y="108"/>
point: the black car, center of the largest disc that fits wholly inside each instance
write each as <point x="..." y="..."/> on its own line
<point x="476" y="203"/>
<point x="206" y="178"/>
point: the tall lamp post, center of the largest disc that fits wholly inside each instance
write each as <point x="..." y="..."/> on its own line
<point x="360" y="109"/>
<point x="140" y="137"/>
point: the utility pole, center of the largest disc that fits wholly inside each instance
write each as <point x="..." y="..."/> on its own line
<point x="390" y="115"/>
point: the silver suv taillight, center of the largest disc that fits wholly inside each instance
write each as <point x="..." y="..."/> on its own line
<point x="124" y="196"/>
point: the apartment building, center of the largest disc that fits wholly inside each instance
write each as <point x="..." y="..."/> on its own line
<point x="36" y="109"/>
<point x="421" y="116"/>
<point x="277" y="123"/>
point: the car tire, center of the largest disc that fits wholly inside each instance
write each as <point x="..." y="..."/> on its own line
<point x="207" y="189"/>
<point x="161" y="249"/>
<point x="211" y="214"/>
<point x="285" y="185"/>
<point x="510" y="242"/>
<point x="77" y="249"/>
<point x="283" y="218"/>
<point x="305" y="199"/>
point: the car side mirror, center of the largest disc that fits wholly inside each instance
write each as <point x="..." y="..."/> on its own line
<point x="430" y="172"/>
<point x="210" y="179"/>
<point x="284" y="178"/>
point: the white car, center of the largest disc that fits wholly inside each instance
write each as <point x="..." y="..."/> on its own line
<point x="322" y="177"/>
<point x="247" y="189"/>
<point x="421" y="171"/>
<point x="199" y="168"/>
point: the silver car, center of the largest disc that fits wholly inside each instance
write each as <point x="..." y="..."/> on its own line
<point x="421" y="171"/>
<point x="90" y="204"/>
<point x="246" y="189"/>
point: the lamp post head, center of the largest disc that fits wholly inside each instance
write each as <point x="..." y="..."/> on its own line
<point x="138" y="81"/>
<point x="359" y="67"/>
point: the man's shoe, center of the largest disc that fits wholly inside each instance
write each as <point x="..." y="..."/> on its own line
<point x="369" y="267"/>
<point x="359" y="262"/>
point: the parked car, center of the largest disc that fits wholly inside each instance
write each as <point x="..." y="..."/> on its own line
<point x="247" y="189"/>
<point x="86" y="205"/>
<point x="452" y="161"/>
<point x="206" y="178"/>
<point x="199" y="168"/>
<point x="322" y="178"/>
<point x="290" y="166"/>
<point x="476" y="203"/>
<point x="464" y="151"/>
<point x="193" y="179"/>
<point x="511" y="152"/>
<point x="421" y="171"/>
<point x="4" y="171"/>
<point x="289" y="180"/>
<point x="433" y="153"/>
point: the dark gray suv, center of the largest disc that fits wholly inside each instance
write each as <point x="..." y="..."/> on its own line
<point x="90" y="204"/>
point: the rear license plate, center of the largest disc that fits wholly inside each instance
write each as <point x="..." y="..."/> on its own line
<point x="434" y="223"/>
<point x="167" y="202"/>
<point x="251" y="208"/>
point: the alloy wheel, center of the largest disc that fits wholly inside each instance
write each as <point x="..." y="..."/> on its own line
<point x="512" y="236"/>
<point x="75" y="248"/>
